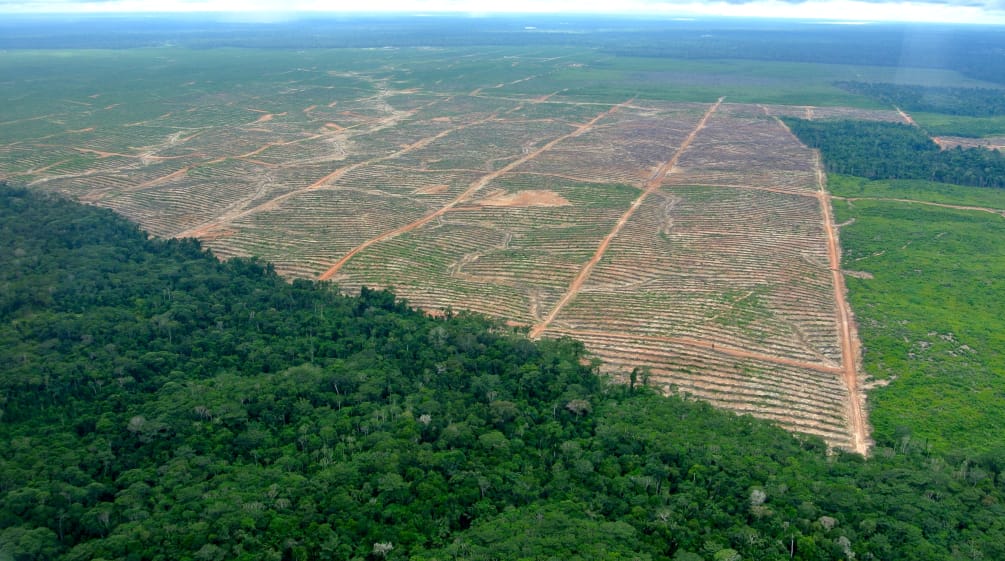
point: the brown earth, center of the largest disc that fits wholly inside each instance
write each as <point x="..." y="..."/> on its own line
<point x="949" y="142"/>
<point x="432" y="190"/>
<point x="907" y="118"/>
<point x="477" y="195"/>
<point x="526" y="198"/>
<point x="716" y="346"/>
<point x="849" y="336"/>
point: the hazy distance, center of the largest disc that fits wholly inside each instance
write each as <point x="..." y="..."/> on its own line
<point x="833" y="11"/>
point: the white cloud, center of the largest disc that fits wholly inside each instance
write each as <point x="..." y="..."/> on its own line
<point x="948" y="11"/>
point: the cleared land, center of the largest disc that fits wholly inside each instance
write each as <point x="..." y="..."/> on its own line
<point x="691" y="238"/>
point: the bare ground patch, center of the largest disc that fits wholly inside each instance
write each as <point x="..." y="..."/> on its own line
<point x="432" y="190"/>
<point x="526" y="198"/>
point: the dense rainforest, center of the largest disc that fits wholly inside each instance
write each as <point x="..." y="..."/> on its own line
<point x="878" y="150"/>
<point x="158" y="404"/>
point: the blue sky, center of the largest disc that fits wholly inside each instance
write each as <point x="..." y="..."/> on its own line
<point x="955" y="11"/>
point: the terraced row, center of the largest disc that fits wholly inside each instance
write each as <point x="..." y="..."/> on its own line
<point x="626" y="148"/>
<point x="321" y="223"/>
<point x="747" y="150"/>
<point x="799" y="399"/>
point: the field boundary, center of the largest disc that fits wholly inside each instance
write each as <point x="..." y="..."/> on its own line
<point x="846" y="323"/>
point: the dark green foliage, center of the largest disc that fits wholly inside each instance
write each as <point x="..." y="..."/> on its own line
<point x="970" y="102"/>
<point x="161" y="405"/>
<point x="878" y="150"/>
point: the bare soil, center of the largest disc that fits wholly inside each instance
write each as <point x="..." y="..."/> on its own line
<point x="849" y="336"/>
<point x="907" y="118"/>
<point x="432" y="190"/>
<point x="526" y="198"/>
<point x="717" y="346"/>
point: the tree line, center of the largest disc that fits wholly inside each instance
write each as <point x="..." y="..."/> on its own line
<point x="879" y="150"/>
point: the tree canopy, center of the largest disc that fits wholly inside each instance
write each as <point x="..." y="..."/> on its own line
<point x="878" y="150"/>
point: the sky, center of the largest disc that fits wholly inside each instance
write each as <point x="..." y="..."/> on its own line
<point x="837" y="11"/>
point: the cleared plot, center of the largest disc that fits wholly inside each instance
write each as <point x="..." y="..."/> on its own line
<point x="800" y="399"/>
<point x="738" y="272"/>
<point x="487" y="146"/>
<point x="420" y="267"/>
<point x="700" y="262"/>
<point x="555" y="108"/>
<point x="194" y="197"/>
<point x="833" y="113"/>
<point x="529" y="250"/>
<point x="740" y="148"/>
<point x="313" y="227"/>
<point x="455" y="108"/>
<point x="626" y="148"/>
<point x="991" y="142"/>
<point x="323" y="147"/>
<point x="29" y="163"/>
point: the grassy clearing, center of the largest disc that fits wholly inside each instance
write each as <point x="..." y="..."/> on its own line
<point x="930" y="320"/>
<point x="925" y="191"/>
<point x="959" y="125"/>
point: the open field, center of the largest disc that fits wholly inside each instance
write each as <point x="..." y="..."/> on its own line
<point x="653" y="216"/>
<point x="925" y="264"/>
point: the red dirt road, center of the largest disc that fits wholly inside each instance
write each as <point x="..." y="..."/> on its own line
<point x="907" y="118"/>
<point x="653" y="184"/>
<point x="849" y="338"/>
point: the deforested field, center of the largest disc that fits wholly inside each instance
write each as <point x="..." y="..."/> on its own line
<point x="690" y="237"/>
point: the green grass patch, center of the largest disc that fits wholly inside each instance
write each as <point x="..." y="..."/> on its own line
<point x="930" y="319"/>
<point x="917" y="190"/>
<point x="958" y="125"/>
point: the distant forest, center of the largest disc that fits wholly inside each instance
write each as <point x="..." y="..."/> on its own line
<point x="974" y="51"/>
<point x="969" y="102"/>
<point x="878" y="150"/>
<point x="160" y="405"/>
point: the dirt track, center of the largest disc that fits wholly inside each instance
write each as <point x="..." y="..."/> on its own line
<point x="907" y="118"/>
<point x="653" y="184"/>
<point x="466" y="195"/>
<point x="997" y="211"/>
<point x="849" y="338"/>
